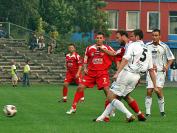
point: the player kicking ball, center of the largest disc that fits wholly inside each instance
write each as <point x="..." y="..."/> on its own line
<point x="137" y="59"/>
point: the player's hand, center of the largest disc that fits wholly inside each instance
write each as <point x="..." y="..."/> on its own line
<point x="156" y="89"/>
<point x="86" y="71"/>
<point x="165" y="69"/>
<point x="77" y="75"/>
<point x="115" y="76"/>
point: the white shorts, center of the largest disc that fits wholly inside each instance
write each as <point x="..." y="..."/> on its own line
<point x="14" y="77"/>
<point x="160" y="80"/>
<point x="125" y="83"/>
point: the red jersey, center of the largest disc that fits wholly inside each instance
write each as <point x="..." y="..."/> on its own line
<point x="73" y="62"/>
<point x="119" y="54"/>
<point x="96" y="59"/>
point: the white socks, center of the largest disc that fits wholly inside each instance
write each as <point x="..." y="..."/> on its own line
<point x="148" y="103"/>
<point x="114" y="104"/>
<point x="120" y="106"/>
<point x="161" y="104"/>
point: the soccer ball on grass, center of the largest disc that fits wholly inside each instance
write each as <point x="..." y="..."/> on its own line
<point x="10" y="110"/>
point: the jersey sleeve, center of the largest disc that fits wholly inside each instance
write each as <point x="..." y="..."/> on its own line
<point x="128" y="52"/>
<point x="79" y="60"/>
<point x="169" y="54"/>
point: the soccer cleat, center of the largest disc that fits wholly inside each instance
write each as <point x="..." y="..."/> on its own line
<point x="131" y="119"/>
<point x="141" y="117"/>
<point x="82" y="100"/>
<point x="71" y="111"/>
<point x="106" y="119"/>
<point x="163" y="114"/>
<point x="62" y="100"/>
<point x="148" y="115"/>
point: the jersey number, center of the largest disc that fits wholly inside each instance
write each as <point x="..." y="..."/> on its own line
<point x="144" y="55"/>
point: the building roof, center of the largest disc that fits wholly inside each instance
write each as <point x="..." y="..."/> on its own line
<point x="144" y="0"/>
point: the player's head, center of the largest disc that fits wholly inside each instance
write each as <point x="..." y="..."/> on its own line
<point x="71" y="47"/>
<point x="136" y="35"/>
<point x="100" y="38"/>
<point x="27" y="61"/>
<point x="156" y="35"/>
<point x="122" y="37"/>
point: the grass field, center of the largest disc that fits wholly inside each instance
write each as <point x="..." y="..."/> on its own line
<point x="39" y="112"/>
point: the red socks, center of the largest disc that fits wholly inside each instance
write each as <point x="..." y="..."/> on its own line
<point x="106" y="103"/>
<point x="65" y="91"/>
<point x="77" y="97"/>
<point x="134" y="106"/>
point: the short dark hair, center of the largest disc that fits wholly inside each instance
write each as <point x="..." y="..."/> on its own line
<point x="122" y="32"/>
<point x="138" y="32"/>
<point x="100" y="33"/>
<point x="156" y="30"/>
<point x="71" y="44"/>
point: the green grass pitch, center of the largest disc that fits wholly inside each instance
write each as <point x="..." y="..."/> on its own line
<point x="39" y="112"/>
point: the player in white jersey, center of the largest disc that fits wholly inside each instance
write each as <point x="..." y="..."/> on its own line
<point x="162" y="58"/>
<point x="136" y="59"/>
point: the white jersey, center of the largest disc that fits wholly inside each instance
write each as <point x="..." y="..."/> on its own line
<point x="160" y="54"/>
<point x="138" y="56"/>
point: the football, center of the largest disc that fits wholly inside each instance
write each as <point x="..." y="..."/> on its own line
<point x="10" y="110"/>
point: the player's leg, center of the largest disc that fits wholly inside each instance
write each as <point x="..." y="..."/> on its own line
<point x="78" y="95"/>
<point x="148" y="101"/>
<point x="115" y="103"/>
<point x="78" y="81"/>
<point x="134" y="105"/>
<point x="65" y="92"/>
<point x="160" y="83"/>
<point x="161" y="101"/>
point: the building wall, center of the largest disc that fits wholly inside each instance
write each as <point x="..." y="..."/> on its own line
<point x="122" y="7"/>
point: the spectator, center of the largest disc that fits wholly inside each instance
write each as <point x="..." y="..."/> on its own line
<point x="51" y="46"/>
<point x="14" y="74"/>
<point x="33" y="42"/>
<point x="41" y="42"/>
<point x="26" y="72"/>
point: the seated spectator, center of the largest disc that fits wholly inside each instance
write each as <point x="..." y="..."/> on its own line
<point x="33" y="42"/>
<point x="51" y="46"/>
<point x="41" y="42"/>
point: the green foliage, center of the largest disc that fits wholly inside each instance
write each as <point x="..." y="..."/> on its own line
<point x="66" y="15"/>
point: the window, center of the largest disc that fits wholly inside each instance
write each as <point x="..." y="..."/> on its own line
<point x="113" y="19"/>
<point x="132" y="20"/>
<point x="153" y="21"/>
<point x="173" y="22"/>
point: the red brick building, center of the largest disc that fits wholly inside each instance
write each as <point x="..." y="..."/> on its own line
<point x="144" y="14"/>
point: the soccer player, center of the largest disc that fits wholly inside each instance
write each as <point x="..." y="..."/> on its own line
<point x="73" y="73"/>
<point x="162" y="59"/>
<point x="96" y="65"/>
<point x="137" y="59"/>
<point x="122" y="38"/>
<point x="14" y="73"/>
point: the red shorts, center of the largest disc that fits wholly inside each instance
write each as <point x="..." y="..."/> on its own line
<point x="71" y="77"/>
<point x="99" y="78"/>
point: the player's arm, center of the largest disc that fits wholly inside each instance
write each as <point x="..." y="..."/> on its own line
<point x="153" y="78"/>
<point x="108" y="51"/>
<point x="85" y="64"/>
<point x="123" y="63"/>
<point x="80" y="62"/>
<point x="169" y="62"/>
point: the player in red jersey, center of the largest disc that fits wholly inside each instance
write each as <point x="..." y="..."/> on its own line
<point x="122" y="38"/>
<point x="74" y="65"/>
<point x="96" y="65"/>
